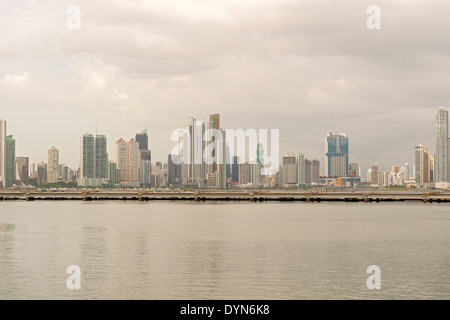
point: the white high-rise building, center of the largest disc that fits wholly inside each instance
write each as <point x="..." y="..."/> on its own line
<point x="53" y="165"/>
<point x="441" y="167"/>
<point x="2" y="152"/>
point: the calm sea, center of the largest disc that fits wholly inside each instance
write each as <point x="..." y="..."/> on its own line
<point x="179" y="250"/>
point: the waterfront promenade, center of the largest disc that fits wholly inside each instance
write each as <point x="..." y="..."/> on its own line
<point x="232" y="195"/>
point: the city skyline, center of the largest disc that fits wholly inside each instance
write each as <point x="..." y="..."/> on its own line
<point x="256" y="63"/>
<point x="95" y="169"/>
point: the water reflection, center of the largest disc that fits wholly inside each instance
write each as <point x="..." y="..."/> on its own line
<point x="220" y="251"/>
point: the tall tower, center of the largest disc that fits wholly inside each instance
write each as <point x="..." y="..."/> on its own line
<point x="142" y="139"/>
<point x="2" y="152"/>
<point x="441" y="158"/>
<point x="87" y="167"/>
<point x="94" y="166"/>
<point x="101" y="157"/>
<point x="121" y="159"/>
<point x="375" y="175"/>
<point x="53" y="165"/>
<point x="128" y="161"/>
<point x="22" y="164"/>
<point x="133" y="161"/>
<point x="422" y="164"/>
<point x="336" y="155"/>
<point x="10" y="161"/>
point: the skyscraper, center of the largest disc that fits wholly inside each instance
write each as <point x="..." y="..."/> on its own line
<point x="293" y="169"/>
<point x="10" y="161"/>
<point x="101" y="157"/>
<point x="121" y="159"/>
<point x="235" y="170"/>
<point x="42" y="173"/>
<point x="407" y="175"/>
<point x="2" y="152"/>
<point x="53" y="165"/>
<point x="442" y="141"/>
<point x="133" y="162"/>
<point x="22" y="164"/>
<point x="142" y="139"/>
<point x="336" y="155"/>
<point x="94" y="167"/>
<point x="422" y="164"/>
<point x="128" y="161"/>
<point x="214" y="123"/>
<point x="312" y="171"/>
<point x="174" y="170"/>
<point x="375" y="175"/>
<point x="193" y="167"/>
<point x="87" y="167"/>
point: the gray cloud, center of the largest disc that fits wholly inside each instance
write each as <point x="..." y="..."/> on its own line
<point x="305" y="67"/>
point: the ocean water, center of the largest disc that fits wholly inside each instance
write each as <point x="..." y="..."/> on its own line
<point x="220" y="250"/>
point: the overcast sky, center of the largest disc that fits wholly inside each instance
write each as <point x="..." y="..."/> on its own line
<point x="304" y="67"/>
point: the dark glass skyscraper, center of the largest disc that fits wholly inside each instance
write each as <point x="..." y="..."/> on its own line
<point x="142" y="139"/>
<point x="235" y="169"/>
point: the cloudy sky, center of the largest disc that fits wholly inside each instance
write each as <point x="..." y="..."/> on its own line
<point x="304" y="67"/>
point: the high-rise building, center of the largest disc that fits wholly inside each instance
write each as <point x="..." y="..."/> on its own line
<point x="42" y="173"/>
<point x="22" y="164"/>
<point x="53" y="165"/>
<point x="10" y="161"/>
<point x="142" y="139"/>
<point x="375" y="176"/>
<point x="213" y="123"/>
<point x="101" y="158"/>
<point x="336" y="155"/>
<point x="145" y="172"/>
<point x="221" y="161"/>
<point x="407" y="175"/>
<point x="423" y="164"/>
<point x="128" y="161"/>
<point x="244" y="173"/>
<point x="193" y="169"/>
<point x="442" y="142"/>
<point x="2" y="153"/>
<point x="122" y="159"/>
<point x="293" y="169"/>
<point x="315" y="171"/>
<point x="353" y="170"/>
<point x="255" y="174"/>
<point x="94" y="165"/>
<point x="235" y="169"/>
<point x="290" y="170"/>
<point x="312" y="171"/>
<point x="369" y="175"/>
<point x="395" y="169"/>
<point x="174" y="170"/>
<point x="133" y="161"/>
<point x="63" y="173"/>
<point x="87" y="166"/>
<point x="114" y="173"/>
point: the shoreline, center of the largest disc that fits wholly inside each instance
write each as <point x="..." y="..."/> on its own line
<point x="251" y="196"/>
